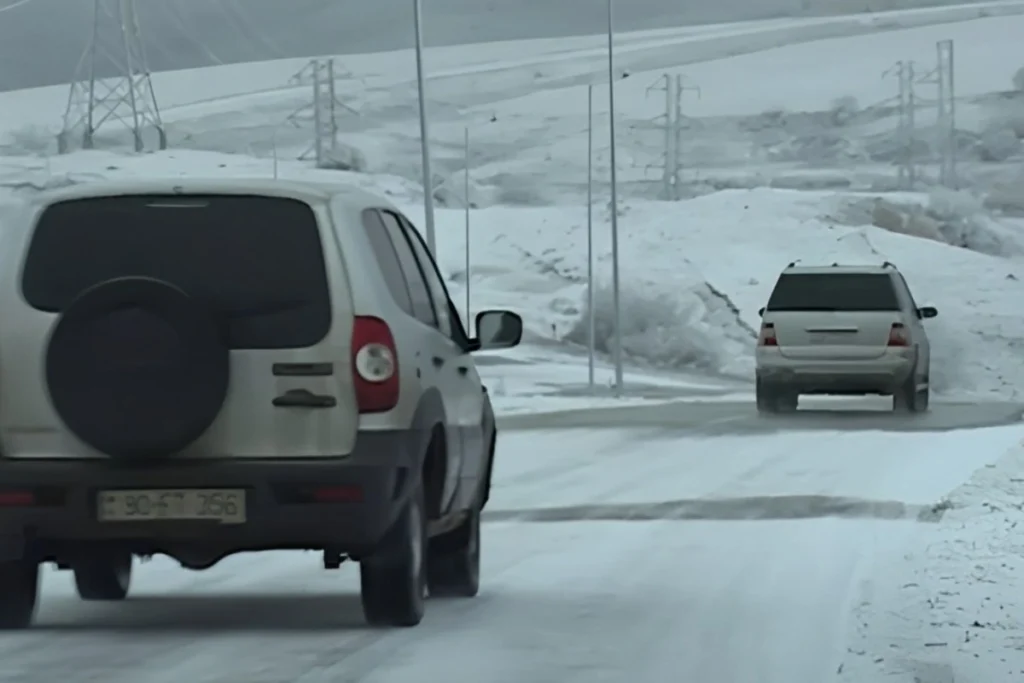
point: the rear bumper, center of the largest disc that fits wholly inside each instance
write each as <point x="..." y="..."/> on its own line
<point x="61" y="520"/>
<point x="824" y="375"/>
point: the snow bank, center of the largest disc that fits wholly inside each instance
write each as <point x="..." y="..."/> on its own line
<point x="533" y="260"/>
<point x="951" y="606"/>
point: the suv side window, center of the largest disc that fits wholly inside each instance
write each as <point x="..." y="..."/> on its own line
<point x="384" y="250"/>
<point x="455" y="329"/>
<point x="419" y="290"/>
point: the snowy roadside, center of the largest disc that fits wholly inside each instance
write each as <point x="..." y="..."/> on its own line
<point x="951" y="608"/>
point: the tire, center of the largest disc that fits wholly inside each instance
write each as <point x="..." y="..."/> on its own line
<point x="19" y="594"/>
<point x="923" y="400"/>
<point x="393" y="580"/>
<point x="766" y="402"/>
<point x="137" y="369"/>
<point x="453" y="561"/>
<point x="104" y="578"/>
<point x="788" y="401"/>
<point x="908" y="399"/>
<point x="771" y="400"/>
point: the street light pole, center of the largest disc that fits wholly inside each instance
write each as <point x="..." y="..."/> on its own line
<point x="428" y="178"/>
<point x="591" y="330"/>
<point x="615" y="206"/>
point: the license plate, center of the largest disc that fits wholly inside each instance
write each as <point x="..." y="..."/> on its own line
<point x="829" y="337"/>
<point x="226" y="506"/>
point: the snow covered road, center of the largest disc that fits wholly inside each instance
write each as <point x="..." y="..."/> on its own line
<point x="641" y="553"/>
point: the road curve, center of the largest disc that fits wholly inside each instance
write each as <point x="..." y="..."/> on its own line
<point x="41" y="41"/>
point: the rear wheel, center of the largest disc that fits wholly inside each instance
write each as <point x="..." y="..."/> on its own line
<point x="105" y="577"/>
<point x="766" y="402"/>
<point x="775" y="399"/>
<point x="908" y="398"/>
<point x="393" y="580"/>
<point x="453" y="561"/>
<point x="19" y="593"/>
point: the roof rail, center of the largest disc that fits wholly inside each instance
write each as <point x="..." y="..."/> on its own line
<point x="888" y="264"/>
<point x="793" y="263"/>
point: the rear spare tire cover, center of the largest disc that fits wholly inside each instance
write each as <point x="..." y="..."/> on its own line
<point x="137" y="368"/>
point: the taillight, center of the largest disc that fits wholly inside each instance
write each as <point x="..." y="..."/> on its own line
<point x="767" y="336"/>
<point x="898" y="335"/>
<point x="374" y="365"/>
<point x="17" y="498"/>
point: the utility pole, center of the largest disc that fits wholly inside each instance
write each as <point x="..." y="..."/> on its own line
<point x="126" y="97"/>
<point x="428" y="176"/>
<point x="616" y="298"/>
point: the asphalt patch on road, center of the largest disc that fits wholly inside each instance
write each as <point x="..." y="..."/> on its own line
<point x="753" y="508"/>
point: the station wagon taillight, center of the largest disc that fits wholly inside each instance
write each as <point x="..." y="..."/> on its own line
<point x="374" y="365"/>
<point x="898" y="335"/>
<point x="767" y="335"/>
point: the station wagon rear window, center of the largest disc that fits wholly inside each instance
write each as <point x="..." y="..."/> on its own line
<point x="256" y="260"/>
<point x="834" y="292"/>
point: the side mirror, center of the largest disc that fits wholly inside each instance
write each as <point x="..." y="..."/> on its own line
<point x="760" y="311"/>
<point x="497" y="330"/>
<point x="927" y="312"/>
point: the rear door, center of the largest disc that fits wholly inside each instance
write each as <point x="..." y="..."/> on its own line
<point x="266" y="266"/>
<point x="460" y="374"/>
<point x="841" y="316"/>
<point x="441" y="354"/>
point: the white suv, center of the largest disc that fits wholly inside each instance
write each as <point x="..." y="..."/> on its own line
<point x="849" y="330"/>
<point x="205" y="367"/>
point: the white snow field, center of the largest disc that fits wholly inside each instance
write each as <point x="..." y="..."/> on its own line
<point x="672" y="535"/>
<point x="951" y="608"/>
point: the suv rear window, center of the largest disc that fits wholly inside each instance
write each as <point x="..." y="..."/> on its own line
<point x="834" y="292"/>
<point x="256" y="260"/>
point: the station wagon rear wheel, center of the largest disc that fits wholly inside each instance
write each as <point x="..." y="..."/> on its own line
<point x="19" y="593"/>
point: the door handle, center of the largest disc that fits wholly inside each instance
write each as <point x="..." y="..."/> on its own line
<point x="303" y="398"/>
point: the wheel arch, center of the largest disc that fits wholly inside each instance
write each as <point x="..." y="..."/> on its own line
<point x="430" y="422"/>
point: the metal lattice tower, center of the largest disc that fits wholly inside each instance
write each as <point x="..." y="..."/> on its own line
<point x="677" y="125"/>
<point x="667" y="123"/>
<point x="322" y="112"/>
<point x="672" y="123"/>
<point x="127" y="96"/>
<point x="907" y="163"/>
<point x="945" y="123"/>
